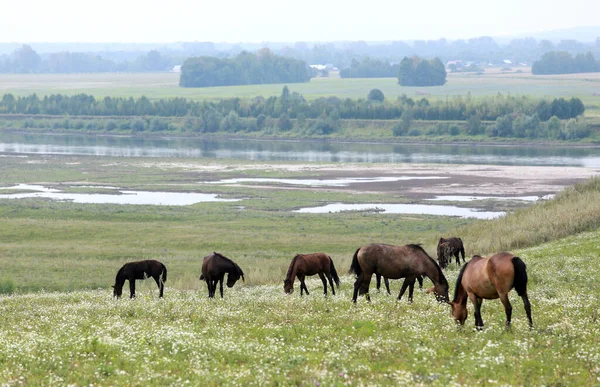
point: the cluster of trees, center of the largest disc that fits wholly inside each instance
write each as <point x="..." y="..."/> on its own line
<point x="370" y="68"/>
<point x="561" y="62"/>
<point x="244" y="69"/>
<point x="416" y="71"/>
<point x="294" y="106"/>
<point x="25" y="60"/>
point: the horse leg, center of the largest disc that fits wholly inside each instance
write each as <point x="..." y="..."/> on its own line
<point x="403" y="289"/>
<point x="477" y="301"/>
<point x="507" y="308"/>
<point x="220" y="286"/>
<point x="411" y="289"/>
<point x="330" y="279"/>
<point x="387" y="285"/>
<point x="160" y="285"/>
<point x="457" y="258"/>
<point x="527" y="309"/>
<point x="131" y="288"/>
<point x="356" y="287"/>
<point x="420" y="279"/>
<point x="322" y="276"/>
<point x="303" y="285"/>
<point x="378" y="279"/>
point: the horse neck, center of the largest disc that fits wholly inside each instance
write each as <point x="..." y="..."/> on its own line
<point x="460" y="295"/>
<point x="292" y="270"/>
<point x="120" y="280"/>
<point x="432" y="270"/>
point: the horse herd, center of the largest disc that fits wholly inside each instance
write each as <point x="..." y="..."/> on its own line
<point x="480" y="278"/>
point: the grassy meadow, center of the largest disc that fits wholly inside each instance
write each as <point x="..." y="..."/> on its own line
<point x="165" y="85"/>
<point x="60" y="326"/>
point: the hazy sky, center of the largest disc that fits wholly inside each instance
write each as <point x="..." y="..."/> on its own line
<point x="283" y="21"/>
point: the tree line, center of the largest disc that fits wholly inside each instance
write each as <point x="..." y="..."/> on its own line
<point x="294" y="105"/>
<point x="561" y="62"/>
<point x="245" y="69"/>
<point x="25" y="60"/>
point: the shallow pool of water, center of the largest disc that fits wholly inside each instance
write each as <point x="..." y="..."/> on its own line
<point x="420" y="209"/>
<point x="342" y="182"/>
<point x="119" y="197"/>
<point x="466" y="198"/>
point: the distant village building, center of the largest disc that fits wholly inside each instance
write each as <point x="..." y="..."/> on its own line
<point x="176" y="69"/>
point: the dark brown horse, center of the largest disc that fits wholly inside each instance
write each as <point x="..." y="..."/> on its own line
<point x="395" y="262"/>
<point x="490" y="278"/>
<point x="214" y="268"/>
<point x="387" y="283"/>
<point x="448" y="247"/>
<point x="303" y="265"/>
<point x="140" y="270"/>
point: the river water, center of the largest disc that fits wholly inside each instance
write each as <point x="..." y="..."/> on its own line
<point x="302" y="151"/>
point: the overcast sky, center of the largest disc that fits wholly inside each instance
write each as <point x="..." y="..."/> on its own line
<point x="284" y="21"/>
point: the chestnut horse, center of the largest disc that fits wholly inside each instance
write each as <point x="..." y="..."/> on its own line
<point x="448" y="247"/>
<point x="490" y="278"/>
<point x="214" y="268"/>
<point x="303" y="265"/>
<point x="140" y="270"/>
<point x="394" y="262"/>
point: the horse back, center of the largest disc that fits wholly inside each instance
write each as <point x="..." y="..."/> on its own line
<point x="389" y="260"/>
<point x="311" y="264"/>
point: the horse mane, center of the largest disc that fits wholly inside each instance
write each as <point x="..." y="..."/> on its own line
<point x="459" y="280"/>
<point x="229" y="260"/>
<point x="441" y="276"/>
<point x="291" y="267"/>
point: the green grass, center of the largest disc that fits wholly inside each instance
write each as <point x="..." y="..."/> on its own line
<point x="574" y="210"/>
<point x="60" y="326"/>
<point x="165" y="85"/>
<point x="257" y="335"/>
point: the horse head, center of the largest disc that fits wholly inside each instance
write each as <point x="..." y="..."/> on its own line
<point x="440" y="290"/>
<point x="288" y="286"/>
<point x="117" y="291"/>
<point x="234" y="276"/>
<point x="459" y="312"/>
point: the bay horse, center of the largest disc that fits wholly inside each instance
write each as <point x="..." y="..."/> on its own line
<point x="303" y="265"/>
<point x="448" y="247"/>
<point x="387" y="283"/>
<point x="214" y="268"/>
<point x="409" y="262"/>
<point x="140" y="270"/>
<point x="490" y="278"/>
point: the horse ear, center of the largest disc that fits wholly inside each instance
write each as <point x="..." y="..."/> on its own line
<point x="113" y="286"/>
<point x="243" y="280"/>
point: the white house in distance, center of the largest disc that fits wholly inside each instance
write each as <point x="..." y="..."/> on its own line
<point x="176" y="69"/>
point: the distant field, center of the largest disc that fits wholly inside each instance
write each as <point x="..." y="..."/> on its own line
<point x="164" y="85"/>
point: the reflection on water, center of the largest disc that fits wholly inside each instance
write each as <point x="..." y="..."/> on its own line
<point x="305" y="151"/>
<point x="324" y="182"/>
<point x="120" y="197"/>
<point x="420" y="209"/>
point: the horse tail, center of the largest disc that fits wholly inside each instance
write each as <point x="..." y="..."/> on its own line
<point x="355" y="266"/>
<point x="164" y="274"/>
<point x="334" y="273"/>
<point x="520" y="281"/>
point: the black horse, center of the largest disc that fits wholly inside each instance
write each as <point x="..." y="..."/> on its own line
<point x="449" y="247"/>
<point x="214" y="268"/>
<point x="140" y="270"/>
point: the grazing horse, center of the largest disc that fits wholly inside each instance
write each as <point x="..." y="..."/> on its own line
<point x="448" y="247"/>
<point x="214" y="268"/>
<point x="303" y="265"/>
<point x="395" y="262"/>
<point x="490" y="278"/>
<point x="387" y="283"/>
<point x="140" y="270"/>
